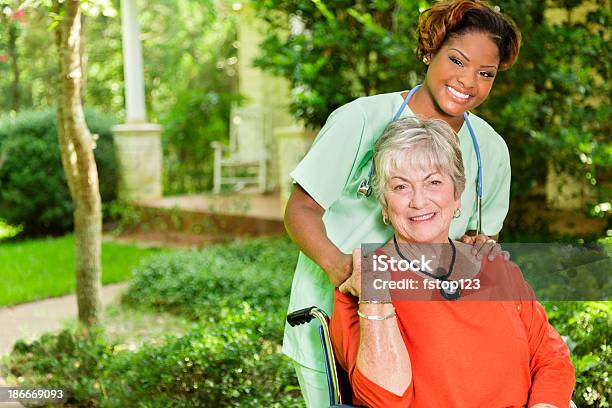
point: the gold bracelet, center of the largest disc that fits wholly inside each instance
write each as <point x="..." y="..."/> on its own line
<point x="375" y="317"/>
<point x="374" y="302"/>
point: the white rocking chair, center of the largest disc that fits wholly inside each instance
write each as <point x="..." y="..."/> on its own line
<point x="246" y="154"/>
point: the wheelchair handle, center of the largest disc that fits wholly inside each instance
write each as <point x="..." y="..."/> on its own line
<point x="300" y="316"/>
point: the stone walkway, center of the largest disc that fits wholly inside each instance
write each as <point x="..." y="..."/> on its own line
<point x="29" y="321"/>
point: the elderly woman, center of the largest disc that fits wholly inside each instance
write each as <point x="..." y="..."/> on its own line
<point x="441" y="353"/>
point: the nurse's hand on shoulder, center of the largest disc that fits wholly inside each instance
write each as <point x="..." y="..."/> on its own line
<point x="353" y="284"/>
<point x="483" y="246"/>
<point x="339" y="268"/>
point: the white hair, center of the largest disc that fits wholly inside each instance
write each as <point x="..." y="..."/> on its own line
<point x="419" y="143"/>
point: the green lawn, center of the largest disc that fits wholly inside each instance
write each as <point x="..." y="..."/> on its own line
<point x="37" y="269"/>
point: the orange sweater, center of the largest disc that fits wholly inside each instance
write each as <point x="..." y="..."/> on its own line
<point x="465" y="353"/>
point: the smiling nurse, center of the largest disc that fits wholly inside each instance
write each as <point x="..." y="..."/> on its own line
<point x="464" y="44"/>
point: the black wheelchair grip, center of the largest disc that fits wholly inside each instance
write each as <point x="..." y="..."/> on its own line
<point x="300" y="316"/>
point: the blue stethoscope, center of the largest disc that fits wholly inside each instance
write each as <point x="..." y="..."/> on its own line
<point x="365" y="187"/>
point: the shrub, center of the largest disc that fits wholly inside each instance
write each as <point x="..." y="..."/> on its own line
<point x="34" y="192"/>
<point x="198" y="117"/>
<point x="586" y="329"/>
<point x="8" y="231"/>
<point x="256" y="272"/>
<point x="72" y="360"/>
<point x="223" y="364"/>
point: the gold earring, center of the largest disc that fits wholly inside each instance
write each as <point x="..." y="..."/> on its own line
<point x="426" y="60"/>
<point x="457" y="213"/>
<point x="385" y="220"/>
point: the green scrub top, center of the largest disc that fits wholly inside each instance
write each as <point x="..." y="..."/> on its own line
<point x="338" y="161"/>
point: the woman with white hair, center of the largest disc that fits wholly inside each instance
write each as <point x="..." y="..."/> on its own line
<point x="400" y="352"/>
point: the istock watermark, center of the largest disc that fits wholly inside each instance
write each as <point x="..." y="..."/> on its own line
<point x="384" y="263"/>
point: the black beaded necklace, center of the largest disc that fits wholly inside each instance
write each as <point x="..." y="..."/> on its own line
<point x="448" y="293"/>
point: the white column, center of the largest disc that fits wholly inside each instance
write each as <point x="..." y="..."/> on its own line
<point x="132" y="63"/>
<point x="137" y="143"/>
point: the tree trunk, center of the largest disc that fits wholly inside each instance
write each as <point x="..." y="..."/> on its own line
<point x="77" y="144"/>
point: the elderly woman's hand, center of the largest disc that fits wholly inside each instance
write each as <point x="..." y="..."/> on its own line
<point x="353" y="284"/>
<point x="483" y="245"/>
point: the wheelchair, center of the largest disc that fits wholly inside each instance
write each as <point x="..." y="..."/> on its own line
<point x="337" y="379"/>
<point x="338" y="384"/>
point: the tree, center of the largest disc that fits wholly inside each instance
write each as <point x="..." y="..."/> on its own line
<point x="554" y="108"/>
<point x="76" y="145"/>
<point x="333" y="52"/>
